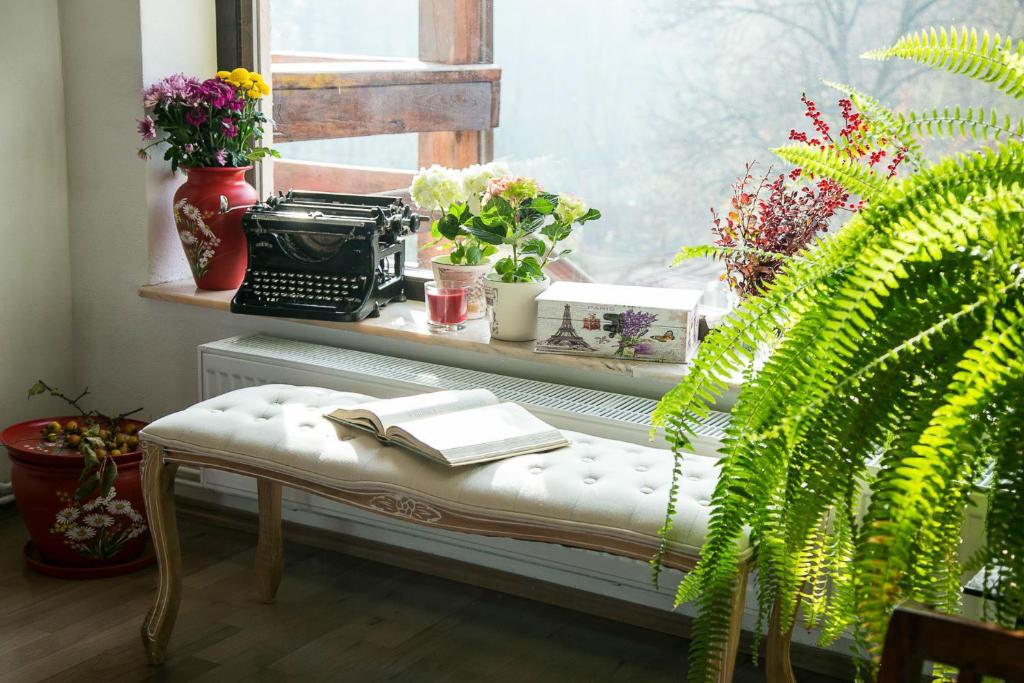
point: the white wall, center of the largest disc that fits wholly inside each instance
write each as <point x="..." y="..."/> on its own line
<point x="35" y="319"/>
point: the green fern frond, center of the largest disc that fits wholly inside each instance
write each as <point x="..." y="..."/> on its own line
<point x="969" y="123"/>
<point x="716" y="252"/>
<point x="856" y="177"/>
<point x="994" y="59"/>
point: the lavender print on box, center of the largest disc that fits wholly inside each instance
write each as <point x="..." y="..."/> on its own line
<point x="639" y="323"/>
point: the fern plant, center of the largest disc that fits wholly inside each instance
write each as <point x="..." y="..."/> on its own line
<point x="897" y="364"/>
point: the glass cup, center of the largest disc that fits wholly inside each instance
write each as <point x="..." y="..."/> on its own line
<point x="447" y="306"/>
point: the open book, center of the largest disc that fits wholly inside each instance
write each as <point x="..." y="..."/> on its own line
<point x="454" y="427"/>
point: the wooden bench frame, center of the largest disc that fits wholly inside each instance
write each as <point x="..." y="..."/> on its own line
<point x="159" y="466"/>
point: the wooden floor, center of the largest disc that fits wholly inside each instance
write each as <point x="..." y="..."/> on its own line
<point x="337" y="618"/>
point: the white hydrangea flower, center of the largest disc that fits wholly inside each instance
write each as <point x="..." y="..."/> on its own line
<point x="437" y="187"/>
<point x="570" y="209"/>
<point x="474" y="182"/>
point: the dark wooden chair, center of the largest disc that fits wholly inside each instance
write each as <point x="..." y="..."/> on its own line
<point x="917" y="635"/>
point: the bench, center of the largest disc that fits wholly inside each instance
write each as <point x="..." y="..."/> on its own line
<point x="596" y="494"/>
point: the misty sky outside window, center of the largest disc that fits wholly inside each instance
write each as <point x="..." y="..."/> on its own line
<point x="651" y="108"/>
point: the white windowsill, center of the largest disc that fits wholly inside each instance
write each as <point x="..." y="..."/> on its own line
<point x="406" y="322"/>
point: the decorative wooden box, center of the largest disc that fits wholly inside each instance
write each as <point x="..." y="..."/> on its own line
<point x="642" y="323"/>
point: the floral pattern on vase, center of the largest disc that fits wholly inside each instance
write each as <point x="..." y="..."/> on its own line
<point x="198" y="241"/>
<point x="100" y="528"/>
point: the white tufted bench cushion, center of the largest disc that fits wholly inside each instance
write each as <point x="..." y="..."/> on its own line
<point x="610" y="493"/>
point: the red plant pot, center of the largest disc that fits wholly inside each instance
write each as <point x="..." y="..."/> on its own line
<point x="97" y="532"/>
<point x="213" y="241"/>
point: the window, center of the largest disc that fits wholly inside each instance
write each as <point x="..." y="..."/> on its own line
<point x="648" y="108"/>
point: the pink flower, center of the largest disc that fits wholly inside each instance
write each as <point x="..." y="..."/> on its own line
<point x="189" y="148"/>
<point x="147" y="128"/>
<point x="196" y="116"/>
<point x="230" y="129"/>
<point x="221" y="156"/>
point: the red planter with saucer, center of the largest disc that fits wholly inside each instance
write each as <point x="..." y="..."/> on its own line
<point x="101" y="536"/>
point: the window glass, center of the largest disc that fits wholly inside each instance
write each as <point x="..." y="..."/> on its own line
<point x="649" y="109"/>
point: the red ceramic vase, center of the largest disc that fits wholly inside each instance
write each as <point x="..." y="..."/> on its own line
<point x="213" y="241"/>
<point x="96" y="532"/>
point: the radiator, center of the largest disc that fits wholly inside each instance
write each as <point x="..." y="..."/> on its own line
<point x="239" y="362"/>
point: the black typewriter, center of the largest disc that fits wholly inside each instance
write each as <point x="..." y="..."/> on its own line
<point x="324" y="256"/>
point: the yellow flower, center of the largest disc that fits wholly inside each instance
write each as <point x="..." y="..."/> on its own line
<point x="256" y="78"/>
<point x="254" y="93"/>
<point x="240" y="74"/>
<point x="224" y="75"/>
<point x="264" y="88"/>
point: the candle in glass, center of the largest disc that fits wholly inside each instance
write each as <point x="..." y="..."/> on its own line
<point x="447" y="306"/>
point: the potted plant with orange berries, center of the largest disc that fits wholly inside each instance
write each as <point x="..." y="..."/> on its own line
<point x="213" y="129"/>
<point x="78" y="489"/>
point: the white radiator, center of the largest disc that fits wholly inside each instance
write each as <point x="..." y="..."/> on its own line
<point x="239" y="362"/>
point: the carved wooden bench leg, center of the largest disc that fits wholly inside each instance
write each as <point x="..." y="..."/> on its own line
<point x="158" y="491"/>
<point x="777" y="665"/>
<point x="269" y="551"/>
<point x="731" y="647"/>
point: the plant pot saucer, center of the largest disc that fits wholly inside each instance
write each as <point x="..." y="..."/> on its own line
<point x="36" y="562"/>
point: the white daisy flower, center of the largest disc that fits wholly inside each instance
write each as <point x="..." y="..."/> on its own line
<point x="67" y="515"/>
<point x="80" y="533"/>
<point x="135" y="516"/>
<point x="99" y="521"/>
<point x="110" y="496"/>
<point x="119" y="507"/>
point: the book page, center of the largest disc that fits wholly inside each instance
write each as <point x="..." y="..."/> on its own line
<point x="395" y="410"/>
<point x="479" y="434"/>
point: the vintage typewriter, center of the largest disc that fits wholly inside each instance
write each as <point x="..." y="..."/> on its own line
<point x="324" y="256"/>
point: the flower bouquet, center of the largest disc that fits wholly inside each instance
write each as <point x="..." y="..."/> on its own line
<point x="214" y="130"/>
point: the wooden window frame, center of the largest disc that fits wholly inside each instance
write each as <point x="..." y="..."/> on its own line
<point x="449" y="96"/>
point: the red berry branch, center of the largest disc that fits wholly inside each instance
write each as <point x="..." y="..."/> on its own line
<point x="772" y="217"/>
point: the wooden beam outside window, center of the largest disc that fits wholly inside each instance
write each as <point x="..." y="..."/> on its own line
<point x="458" y="32"/>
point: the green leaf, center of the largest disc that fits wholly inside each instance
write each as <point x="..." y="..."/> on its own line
<point x="109" y="477"/>
<point x="87" y="486"/>
<point x="449" y="226"/>
<point x="504" y="266"/>
<point x="486" y="233"/>
<point x="37" y="388"/>
<point x="533" y="245"/>
<point x="541" y="205"/>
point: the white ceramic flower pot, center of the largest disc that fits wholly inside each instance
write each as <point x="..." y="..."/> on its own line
<point x="511" y="307"/>
<point x="445" y="273"/>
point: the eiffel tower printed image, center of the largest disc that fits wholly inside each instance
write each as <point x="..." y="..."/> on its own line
<point x="566" y="336"/>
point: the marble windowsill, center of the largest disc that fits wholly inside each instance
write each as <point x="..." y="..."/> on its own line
<point x="407" y="322"/>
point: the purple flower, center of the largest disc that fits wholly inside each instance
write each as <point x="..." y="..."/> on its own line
<point x="643" y="349"/>
<point x="635" y="324"/>
<point x="230" y="129"/>
<point x="196" y="116"/>
<point x="176" y="87"/>
<point x="147" y="128"/>
<point x="221" y="156"/>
